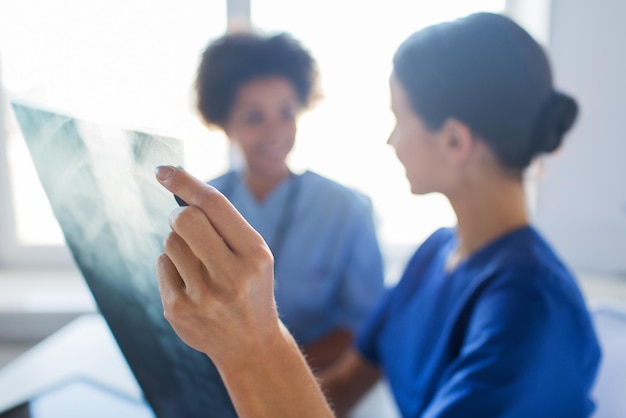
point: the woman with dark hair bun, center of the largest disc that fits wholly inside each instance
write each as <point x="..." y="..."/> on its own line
<point x="328" y="266"/>
<point x="493" y="77"/>
<point x="486" y="321"/>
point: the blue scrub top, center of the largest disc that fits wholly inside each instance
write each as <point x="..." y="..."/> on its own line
<point x="328" y="265"/>
<point x="505" y="334"/>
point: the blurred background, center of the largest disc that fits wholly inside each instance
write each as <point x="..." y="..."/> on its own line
<point x="131" y="64"/>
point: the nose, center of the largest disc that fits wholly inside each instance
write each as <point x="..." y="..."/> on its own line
<point x="391" y="138"/>
<point x="273" y="131"/>
<point x="279" y="128"/>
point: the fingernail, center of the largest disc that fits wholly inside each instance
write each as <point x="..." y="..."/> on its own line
<point x="163" y="172"/>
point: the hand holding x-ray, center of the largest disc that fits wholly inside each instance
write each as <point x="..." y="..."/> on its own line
<point x="216" y="280"/>
<point x="216" y="273"/>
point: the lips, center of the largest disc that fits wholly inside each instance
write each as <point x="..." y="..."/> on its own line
<point x="274" y="151"/>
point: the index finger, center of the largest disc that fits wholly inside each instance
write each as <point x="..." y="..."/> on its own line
<point x="225" y="219"/>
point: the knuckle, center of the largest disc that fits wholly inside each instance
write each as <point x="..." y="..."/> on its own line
<point x="162" y="262"/>
<point x="261" y="261"/>
<point x="170" y="243"/>
<point x="186" y="219"/>
<point x="262" y="253"/>
<point x="209" y="198"/>
<point x="174" y="309"/>
<point x="167" y="316"/>
<point x="264" y="257"/>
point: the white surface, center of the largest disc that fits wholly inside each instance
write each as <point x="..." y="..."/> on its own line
<point x="377" y="403"/>
<point x="49" y="291"/>
<point x="80" y="399"/>
<point x="610" y="389"/>
<point x="83" y="349"/>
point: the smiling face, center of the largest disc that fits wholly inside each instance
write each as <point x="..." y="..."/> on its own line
<point x="262" y="122"/>
<point x="420" y="150"/>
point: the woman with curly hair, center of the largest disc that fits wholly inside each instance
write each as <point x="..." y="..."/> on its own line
<point x="328" y="265"/>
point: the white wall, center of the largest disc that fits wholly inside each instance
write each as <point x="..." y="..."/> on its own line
<point x="582" y="196"/>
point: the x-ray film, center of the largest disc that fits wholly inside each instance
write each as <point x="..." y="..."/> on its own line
<point x="101" y="186"/>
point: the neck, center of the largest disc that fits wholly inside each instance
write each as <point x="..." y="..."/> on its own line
<point x="488" y="212"/>
<point x="261" y="184"/>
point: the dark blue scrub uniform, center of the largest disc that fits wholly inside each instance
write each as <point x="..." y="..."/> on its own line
<point x="505" y="334"/>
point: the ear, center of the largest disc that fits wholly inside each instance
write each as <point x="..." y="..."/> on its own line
<point x="458" y="140"/>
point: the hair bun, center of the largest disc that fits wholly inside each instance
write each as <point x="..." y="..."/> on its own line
<point x="556" y="118"/>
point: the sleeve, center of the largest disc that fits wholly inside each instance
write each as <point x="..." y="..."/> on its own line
<point x="514" y="360"/>
<point x="362" y="278"/>
<point x="366" y="342"/>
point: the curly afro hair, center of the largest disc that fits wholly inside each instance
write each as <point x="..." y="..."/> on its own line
<point x="235" y="59"/>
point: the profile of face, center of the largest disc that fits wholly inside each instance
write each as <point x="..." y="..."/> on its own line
<point x="420" y="150"/>
<point x="262" y="122"/>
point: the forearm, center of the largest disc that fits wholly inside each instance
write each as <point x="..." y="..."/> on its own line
<point x="275" y="382"/>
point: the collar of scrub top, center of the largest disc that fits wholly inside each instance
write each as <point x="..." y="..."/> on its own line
<point x="288" y="211"/>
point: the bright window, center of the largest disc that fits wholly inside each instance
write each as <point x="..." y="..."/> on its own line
<point x="122" y="63"/>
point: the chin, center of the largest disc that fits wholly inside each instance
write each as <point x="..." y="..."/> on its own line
<point x="274" y="168"/>
<point x="418" y="189"/>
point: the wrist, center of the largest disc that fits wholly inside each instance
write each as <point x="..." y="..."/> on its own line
<point x="257" y="351"/>
<point x="274" y="380"/>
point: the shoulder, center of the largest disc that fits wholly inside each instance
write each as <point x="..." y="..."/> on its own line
<point x="529" y="294"/>
<point x="527" y="266"/>
<point x="433" y="244"/>
<point x="527" y="255"/>
<point x="439" y="237"/>
<point x="522" y="286"/>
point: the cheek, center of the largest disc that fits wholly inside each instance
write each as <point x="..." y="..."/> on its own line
<point x="404" y="146"/>
<point x="248" y="136"/>
<point x="289" y="129"/>
<point x="285" y="135"/>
